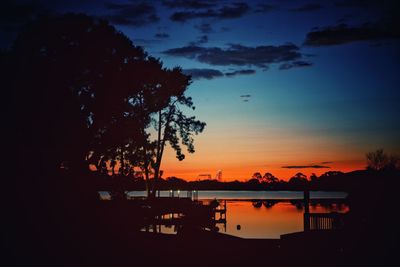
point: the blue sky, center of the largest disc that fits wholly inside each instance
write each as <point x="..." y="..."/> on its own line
<point x="277" y="82"/>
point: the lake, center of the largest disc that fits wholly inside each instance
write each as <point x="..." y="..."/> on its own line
<point x="251" y="215"/>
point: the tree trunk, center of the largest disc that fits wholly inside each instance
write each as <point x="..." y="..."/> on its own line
<point x="158" y="157"/>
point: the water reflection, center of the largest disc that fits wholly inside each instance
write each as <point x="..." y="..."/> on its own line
<point x="265" y="219"/>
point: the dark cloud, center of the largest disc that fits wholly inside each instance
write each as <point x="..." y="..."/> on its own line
<point x="305" y="166"/>
<point x="351" y="3"/>
<point x="342" y="34"/>
<point x="204" y="28"/>
<point x="245" y="100"/>
<point x="240" y="72"/>
<point x="239" y="55"/>
<point x="235" y="10"/>
<point x="145" y="42"/>
<point x="245" y="96"/>
<point x="161" y="35"/>
<point x="203" y="73"/>
<point x="132" y="14"/>
<point x="225" y="29"/>
<point x="264" y="8"/>
<point x="193" y="4"/>
<point x="295" y="64"/>
<point x="327" y="162"/>
<point x="200" y="40"/>
<point x="308" y="7"/>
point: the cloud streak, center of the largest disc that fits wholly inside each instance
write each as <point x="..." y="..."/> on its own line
<point x="343" y="34"/>
<point x="238" y="55"/>
<point x="132" y="14"/>
<point x="235" y="10"/>
<point x="161" y="35"/>
<point x="204" y="28"/>
<point x="295" y="64"/>
<point x="192" y="4"/>
<point x="315" y="166"/>
<point x="208" y="74"/>
<point x="308" y="7"/>
<point x="240" y="72"/>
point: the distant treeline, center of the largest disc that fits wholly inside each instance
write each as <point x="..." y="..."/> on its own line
<point x="332" y="180"/>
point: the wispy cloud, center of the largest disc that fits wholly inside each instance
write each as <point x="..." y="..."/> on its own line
<point x="264" y="8"/>
<point x="295" y="64"/>
<point x="235" y="10"/>
<point x="245" y="98"/>
<point x="240" y="72"/>
<point x="200" y="40"/>
<point x="308" y="7"/>
<point x="132" y="14"/>
<point x="204" y="28"/>
<point x="161" y="35"/>
<point x="208" y="74"/>
<point x="192" y="4"/>
<point x="342" y="34"/>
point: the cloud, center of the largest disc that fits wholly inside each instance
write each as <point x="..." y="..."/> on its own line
<point x="240" y="72"/>
<point x="264" y="8"/>
<point x="145" y="42"/>
<point x="305" y="167"/>
<point x="200" y="40"/>
<point x="245" y="98"/>
<point x="198" y="73"/>
<point x="225" y="29"/>
<point x="204" y="28"/>
<point x="351" y="3"/>
<point x="327" y="162"/>
<point x="132" y="14"/>
<point x="308" y="7"/>
<point x="238" y="55"/>
<point x="192" y="4"/>
<point x="235" y="10"/>
<point x="295" y="64"/>
<point x="161" y="35"/>
<point x="203" y="73"/>
<point x="342" y="34"/>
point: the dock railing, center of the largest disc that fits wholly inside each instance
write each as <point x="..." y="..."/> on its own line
<point x="323" y="221"/>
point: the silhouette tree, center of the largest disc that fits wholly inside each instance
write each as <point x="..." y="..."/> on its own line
<point x="379" y="160"/>
<point x="270" y="178"/>
<point x="87" y="96"/>
<point x="258" y="176"/>
<point x="313" y="177"/>
<point x="172" y="125"/>
<point x="298" y="180"/>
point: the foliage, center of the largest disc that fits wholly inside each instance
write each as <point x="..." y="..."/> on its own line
<point x="82" y="94"/>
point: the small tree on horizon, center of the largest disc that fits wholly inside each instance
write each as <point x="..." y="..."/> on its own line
<point x="379" y="160"/>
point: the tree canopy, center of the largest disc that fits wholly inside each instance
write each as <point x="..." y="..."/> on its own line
<point x="82" y="93"/>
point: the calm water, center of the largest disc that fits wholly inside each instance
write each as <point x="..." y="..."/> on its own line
<point x="248" y="195"/>
<point x="262" y="220"/>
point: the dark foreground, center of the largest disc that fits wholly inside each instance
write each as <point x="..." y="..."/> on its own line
<point x="57" y="228"/>
<point x="195" y="248"/>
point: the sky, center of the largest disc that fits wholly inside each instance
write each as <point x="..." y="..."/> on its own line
<point x="284" y="86"/>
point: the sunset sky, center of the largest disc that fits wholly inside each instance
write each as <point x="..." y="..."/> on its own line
<point x="284" y="86"/>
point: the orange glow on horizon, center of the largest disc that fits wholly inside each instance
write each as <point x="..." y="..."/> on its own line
<point x="232" y="169"/>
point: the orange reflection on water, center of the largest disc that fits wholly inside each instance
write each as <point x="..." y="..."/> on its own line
<point x="263" y="222"/>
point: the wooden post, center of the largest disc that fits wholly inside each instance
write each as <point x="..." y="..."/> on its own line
<point x="306" y="218"/>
